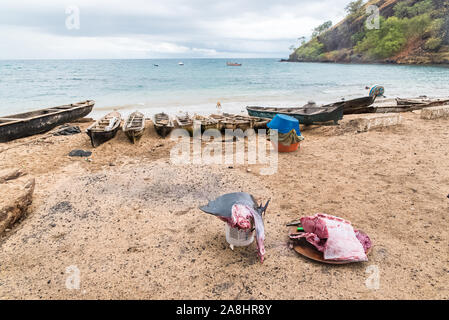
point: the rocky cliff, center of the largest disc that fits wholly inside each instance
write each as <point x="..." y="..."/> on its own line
<point x="409" y="32"/>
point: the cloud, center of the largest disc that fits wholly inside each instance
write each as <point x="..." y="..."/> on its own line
<point x="155" y="29"/>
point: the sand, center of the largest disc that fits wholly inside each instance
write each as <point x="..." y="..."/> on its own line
<point x="129" y="222"/>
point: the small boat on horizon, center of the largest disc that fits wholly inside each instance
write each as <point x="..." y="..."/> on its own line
<point x="181" y="63"/>
<point x="34" y="122"/>
<point x="104" y="129"/>
<point x="233" y="64"/>
<point x="134" y="126"/>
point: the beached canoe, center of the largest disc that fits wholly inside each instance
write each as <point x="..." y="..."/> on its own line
<point x="259" y="123"/>
<point x="426" y="102"/>
<point x="134" y="126"/>
<point x="163" y="124"/>
<point x="305" y="115"/>
<point x="184" y="121"/>
<point x="30" y="123"/>
<point x="104" y="129"/>
<point x="408" y="105"/>
<point x="359" y="105"/>
<point x="236" y="121"/>
<point x="206" y="122"/>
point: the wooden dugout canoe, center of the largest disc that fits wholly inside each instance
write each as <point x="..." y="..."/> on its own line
<point x="30" y="123"/>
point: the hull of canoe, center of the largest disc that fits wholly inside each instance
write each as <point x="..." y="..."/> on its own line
<point x="44" y="123"/>
<point x="163" y="131"/>
<point x="308" y="119"/>
<point x="360" y="105"/>
<point x="99" y="137"/>
<point x="236" y="125"/>
<point x="134" y="135"/>
<point x="188" y="127"/>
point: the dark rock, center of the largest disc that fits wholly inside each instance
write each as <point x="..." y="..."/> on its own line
<point x="80" y="153"/>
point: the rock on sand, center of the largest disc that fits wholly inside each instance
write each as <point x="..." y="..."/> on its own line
<point x="15" y="198"/>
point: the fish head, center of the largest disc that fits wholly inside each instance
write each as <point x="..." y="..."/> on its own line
<point x="242" y="216"/>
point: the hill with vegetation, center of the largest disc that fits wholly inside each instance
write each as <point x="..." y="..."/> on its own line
<point x="408" y="32"/>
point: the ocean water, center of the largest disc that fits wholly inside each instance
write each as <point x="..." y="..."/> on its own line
<point x="196" y="87"/>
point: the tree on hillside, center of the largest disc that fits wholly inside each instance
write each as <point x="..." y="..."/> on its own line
<point x="321" y="29"/>
<point x="354" y="7"/>
<point x="302" y="40"/>
<point x="446" y="30"/>
<point x="413" y="8"/>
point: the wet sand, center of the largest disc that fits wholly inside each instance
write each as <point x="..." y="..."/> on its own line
<point x="129" y="220"/>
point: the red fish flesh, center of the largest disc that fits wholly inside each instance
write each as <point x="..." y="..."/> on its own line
<point x="335" y="237"/>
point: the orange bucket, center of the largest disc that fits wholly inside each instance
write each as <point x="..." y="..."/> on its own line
<point x="291" y="148"/>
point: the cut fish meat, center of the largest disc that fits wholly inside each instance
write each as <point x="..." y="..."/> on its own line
<point x="335" y="237"/>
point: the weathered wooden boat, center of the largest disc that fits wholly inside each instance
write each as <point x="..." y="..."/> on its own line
<point x="134" y="126"/>
<point x="305" y="115"/>
<point x="184" y="121"/>
<point x="163" y="124"/>
<point x="243" y="122"/>
<point x="408" y="105"/>
<point x="206" y="123"/>
<point x="235" y="124"/>
<point x="359" y="105"/>
<point x="259" y="123"/>
<point x="30" y="123"/>
<point x="235" y="121"/>
<point x="426" y="102"/>
<point x="254" y="122"/>
<point x="104" y="129"/>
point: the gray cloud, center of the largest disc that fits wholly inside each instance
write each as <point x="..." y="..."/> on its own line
<point x="199" y="27"/>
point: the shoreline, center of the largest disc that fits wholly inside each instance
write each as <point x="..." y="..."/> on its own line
<point x="380" y="63"/>
<point x="140" y="85"/>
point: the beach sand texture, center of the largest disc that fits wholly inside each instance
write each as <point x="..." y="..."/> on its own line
<point x="129" y="220"/>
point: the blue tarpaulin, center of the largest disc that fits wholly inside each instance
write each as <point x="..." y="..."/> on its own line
<point x="284" y="124"/>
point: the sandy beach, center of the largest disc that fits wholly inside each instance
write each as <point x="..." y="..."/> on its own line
<point x="129" y="221"/>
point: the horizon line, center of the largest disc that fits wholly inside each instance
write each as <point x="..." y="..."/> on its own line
<point x="191" y="58"/>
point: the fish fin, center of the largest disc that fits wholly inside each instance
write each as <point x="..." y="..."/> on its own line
<point x="264" y="209"/>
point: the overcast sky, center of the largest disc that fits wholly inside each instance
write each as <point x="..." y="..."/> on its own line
<point x="31" y="29"/>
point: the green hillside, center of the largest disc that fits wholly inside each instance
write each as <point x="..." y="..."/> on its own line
<point x="410" y="32"/>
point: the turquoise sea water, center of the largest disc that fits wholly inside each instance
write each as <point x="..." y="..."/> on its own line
<point x="196" y="86"/>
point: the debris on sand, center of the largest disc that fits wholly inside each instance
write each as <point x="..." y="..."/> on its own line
<point x="67" y="130"/>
